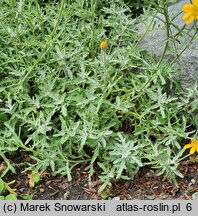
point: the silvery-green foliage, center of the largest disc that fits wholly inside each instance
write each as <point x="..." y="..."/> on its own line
<point x="64" y="101"/>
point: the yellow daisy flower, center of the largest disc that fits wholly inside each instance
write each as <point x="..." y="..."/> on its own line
<point x="103" y="44"/>
<point x="191" y="11"/>
<point x="193" y="146"/>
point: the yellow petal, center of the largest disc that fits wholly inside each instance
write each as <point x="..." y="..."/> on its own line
<point x="195" y="3"/>
<point x="194" y="143"/>
<point x="103" y="44"/>
<point x="192" y="150"/>
<point x="186" y="16"/>
<point x="189" y="20"/>
<point x="187" y="146"/>
<point x="188" y="7"/>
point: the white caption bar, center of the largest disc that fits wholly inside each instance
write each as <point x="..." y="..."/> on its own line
<point x="102" y="207"/>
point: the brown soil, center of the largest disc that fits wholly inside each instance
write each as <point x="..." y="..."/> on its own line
<point x="145" y="185"/>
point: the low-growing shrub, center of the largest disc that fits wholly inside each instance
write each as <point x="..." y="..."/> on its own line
<point x="66" y="100"/>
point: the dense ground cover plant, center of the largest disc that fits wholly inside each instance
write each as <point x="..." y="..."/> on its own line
<point x="68" y="99"/>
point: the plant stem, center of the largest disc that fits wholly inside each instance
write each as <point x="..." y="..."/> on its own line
<point x="167" y="24"/>
<point x="147" y="29"/>
<point x="92" y="28"/>
<point x="184" y="157"/>
<point x="188" y="44"/>
<point x="46" y="47"/>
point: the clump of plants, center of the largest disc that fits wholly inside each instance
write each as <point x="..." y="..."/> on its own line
<point x="76" y="89"/>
